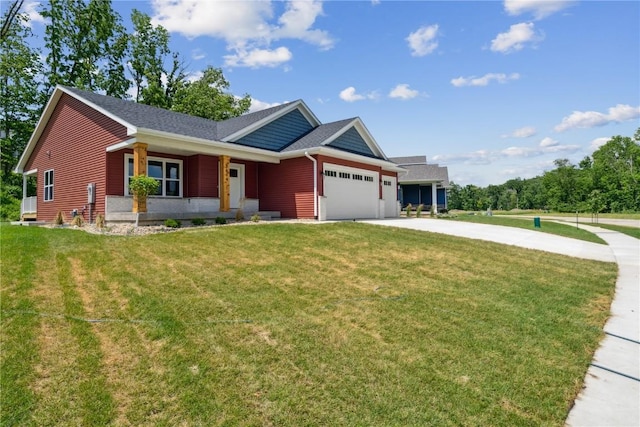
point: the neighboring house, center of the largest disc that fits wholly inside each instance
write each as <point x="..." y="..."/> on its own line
<point x="281" y="162"/>
<point x="422" y="183"/>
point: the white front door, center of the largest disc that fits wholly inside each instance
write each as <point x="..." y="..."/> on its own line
<point x="236" y="185"/>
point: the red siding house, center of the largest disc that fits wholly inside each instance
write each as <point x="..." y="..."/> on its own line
<point x="279" y="162"/>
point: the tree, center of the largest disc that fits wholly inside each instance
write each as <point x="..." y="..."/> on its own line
<point x="87" y="44"/>
<point x="10" y="17"/>
<point x="20" y="98"/>
<point x="616" y="173"/>
<point x="207" y="97"/>
<point x="154" y="84"/>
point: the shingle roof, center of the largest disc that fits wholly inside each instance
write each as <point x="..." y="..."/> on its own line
<point x="159" y="119"/>
<point x="180" y="124"/>
<point x="425" y="173"/>
<point x="418" y="170"/>
<point x="410" y="160"/>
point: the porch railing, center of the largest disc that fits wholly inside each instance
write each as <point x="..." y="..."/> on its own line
<point x="29" y="205"/>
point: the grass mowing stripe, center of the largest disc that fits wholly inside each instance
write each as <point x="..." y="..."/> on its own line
<point x="18" y="345"/>
<point x="351" y="324"/>
<point x="97" y="406"/>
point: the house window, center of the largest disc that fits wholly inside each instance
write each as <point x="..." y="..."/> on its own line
<point x="357" y="177"/>
<point x="387" y="183"/>
<point x="168" y="173"/>
<point x="330" y="173"/>
<point x="345" y="175"/>
<point x="48" y="185"/>
<point x="368" y="178"/>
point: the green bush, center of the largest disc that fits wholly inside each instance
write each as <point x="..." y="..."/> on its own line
<point x="239" y="215"/>
<point x="172" y="223"/>
<point x="100" y="221"/>
<point x="255" y="217"/>
<point x="221" y="220"/>
<point x="419" y="210"/>
<point x="409" y="208"/>
<point x="198" y="221"/>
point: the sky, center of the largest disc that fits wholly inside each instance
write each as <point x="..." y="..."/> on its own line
<point x="494" y="90"/>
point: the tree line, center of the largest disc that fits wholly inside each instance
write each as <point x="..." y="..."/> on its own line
<point x="87" y="46"/>
<point x="606" y="181"/>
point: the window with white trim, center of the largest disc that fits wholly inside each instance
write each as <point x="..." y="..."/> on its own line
<point x="168" y="172"/>
<point x="48" y="185"/>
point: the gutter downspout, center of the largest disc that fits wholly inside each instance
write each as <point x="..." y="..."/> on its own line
<point x="315" y="183"/>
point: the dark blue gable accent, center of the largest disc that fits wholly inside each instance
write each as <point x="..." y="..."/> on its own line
<point x="279" y="133"/>
<point x="353" y="142"/>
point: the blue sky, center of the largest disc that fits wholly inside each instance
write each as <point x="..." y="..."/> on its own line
<point x="493" y="90"/>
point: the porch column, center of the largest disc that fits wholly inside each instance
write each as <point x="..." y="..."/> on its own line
<point x="434" y="196"/>
<point x="224" y="192"/>
<point x="139" y="168"/>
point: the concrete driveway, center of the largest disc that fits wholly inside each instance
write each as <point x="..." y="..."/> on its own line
<point x="611" y="393"/>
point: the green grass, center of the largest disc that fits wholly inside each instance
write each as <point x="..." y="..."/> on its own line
<point x="292" y="325"/>
<point x="629" y="231"/>
<point x="546" y="226"/>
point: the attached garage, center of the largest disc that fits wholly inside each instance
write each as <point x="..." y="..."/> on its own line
<point x="350" y="193"/>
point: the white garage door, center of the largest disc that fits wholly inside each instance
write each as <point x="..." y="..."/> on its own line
<point x="390" y="196"/>
<point x="350" y="193"/>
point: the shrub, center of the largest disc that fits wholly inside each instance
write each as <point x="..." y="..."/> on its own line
<point x="100" y="221"/>
<point x="221" y="220"/>
<point x="78" y="221"/>
<point x="172" y="223"/>
<point x="239" y="215"/>
<point x="409" y="208"/>
<point x="59" y="218"/>
<point x="433" y="210"/>
<point x="255" y="217"/>
<point x="198" y="221"/>
<point x="419" y="210"/>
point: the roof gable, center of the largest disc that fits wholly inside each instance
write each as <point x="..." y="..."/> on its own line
<point x="352" y="141"/>
<point x="278" y="133"/>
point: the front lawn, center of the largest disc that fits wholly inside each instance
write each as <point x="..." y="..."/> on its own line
<point x="292" y="325"/>
<point x="546" y="226"/>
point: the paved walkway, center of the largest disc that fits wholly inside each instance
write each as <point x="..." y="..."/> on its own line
<point x="611" y="393"/>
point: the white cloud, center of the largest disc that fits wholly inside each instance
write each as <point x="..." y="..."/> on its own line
<point x="516" y="38"/>
<point x="484" y="80"/>
<point x="589" y="119"/>
<point x="30" y="8"/>
<point x="198" y="54"/>
<point x="598" y="142"/>
<point x="548" y="142"/>
<point x="349" y="95"/>
<point x="422" y="41"/>
<point x="539" y="8"/>
<point x="485" y="157"/>
<point x="403" y="92"/>
<point x="257" y="105"/>
<point x="297" y="21"/>
<point x="524" y="132"/>
<point x="248" y="27"/>
<point x="257" y="58"/>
